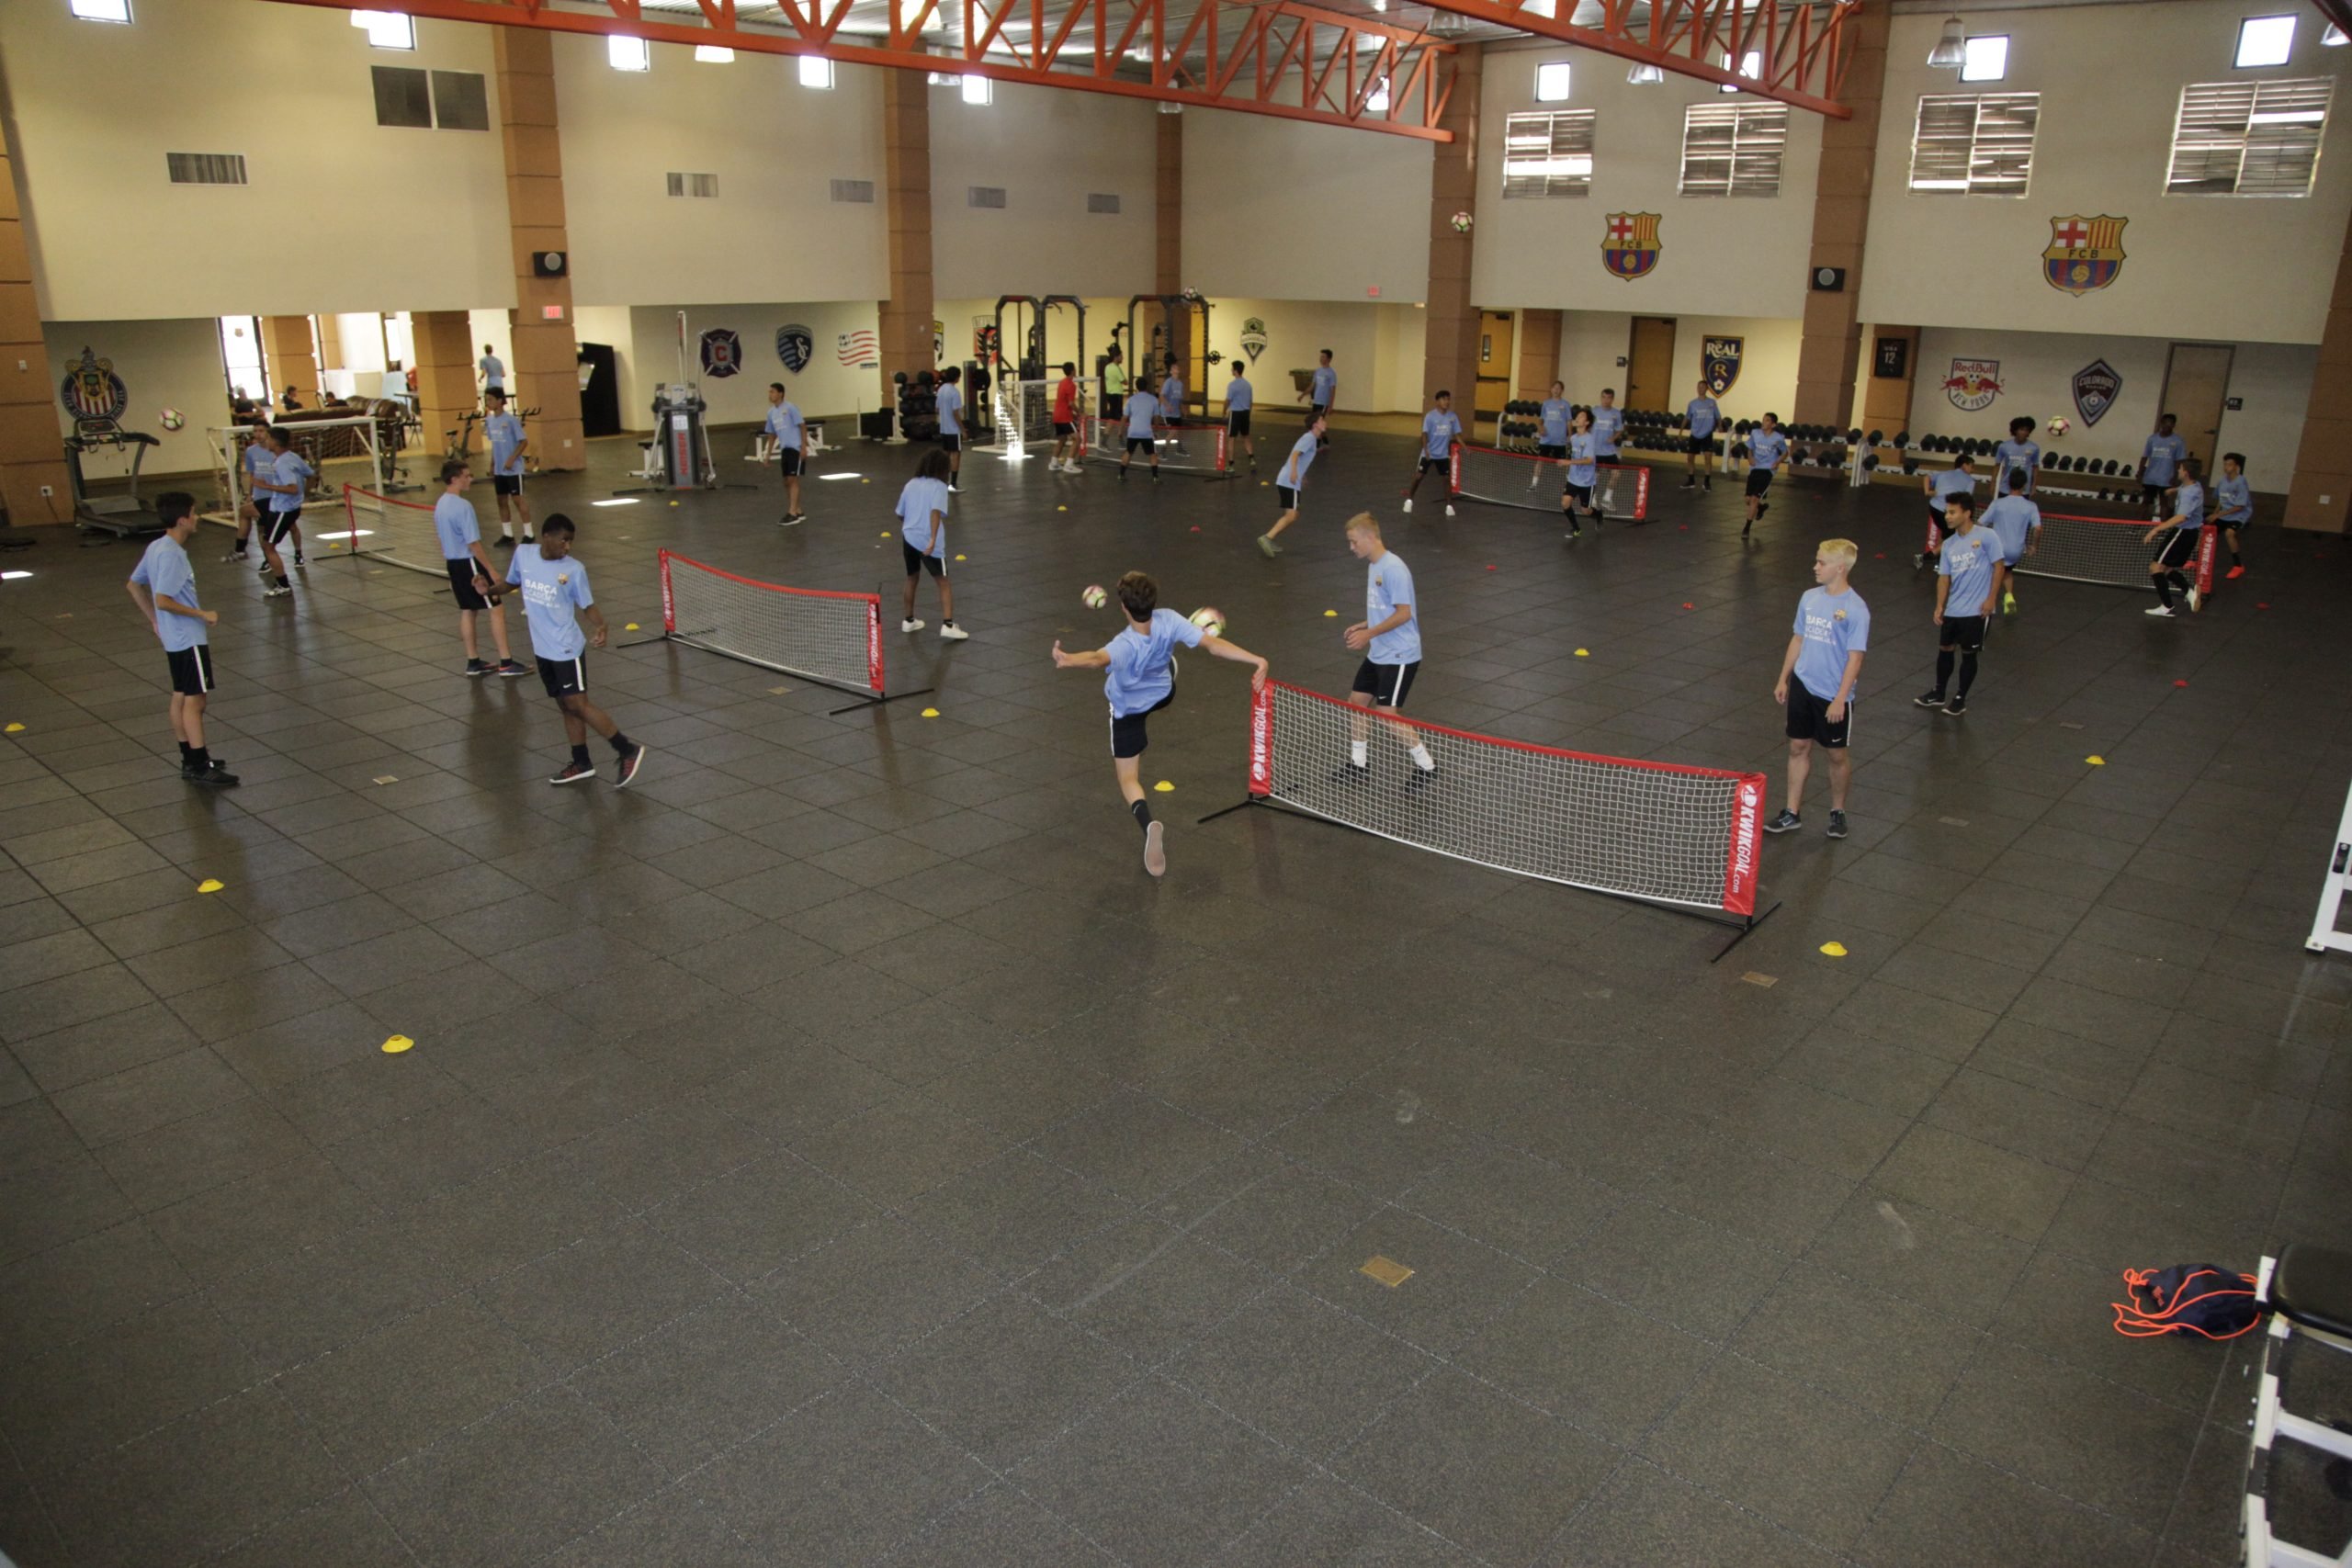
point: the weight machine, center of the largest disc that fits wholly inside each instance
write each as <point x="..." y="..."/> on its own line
<point x="124" y="515"/>
<point x="679" y="455"/>
<point x="1010" y="418"/>
<point x="1188" y="312"/>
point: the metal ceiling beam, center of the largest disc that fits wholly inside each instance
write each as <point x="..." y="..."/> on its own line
<point x="1805" y="43"/>
<point x="1259" y="58"/>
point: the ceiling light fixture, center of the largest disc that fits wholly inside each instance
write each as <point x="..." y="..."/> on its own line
<point x="1951" y="50"/>
<point x="1646" y="75"/>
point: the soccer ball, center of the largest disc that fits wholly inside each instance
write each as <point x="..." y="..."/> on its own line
<point x="174" y="419"/>
<point x="1210" y="620"/>
<point x="1461" y="222"/>
<point x="2059" y="427"/>
<point x="1094" y="596"/>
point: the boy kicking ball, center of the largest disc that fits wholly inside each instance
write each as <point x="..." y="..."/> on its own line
<point x="1141" y="680"/>
<point x="1825" y="648"/>
<point x="555" y="594"/>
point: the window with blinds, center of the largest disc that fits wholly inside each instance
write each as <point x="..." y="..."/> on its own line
<point x="1732" y="149"/>
<point x="1547" y="155"/>
<point x="703" y="187"/>
<point x="2248" y="137"/>
<point x="1973" y="143"/>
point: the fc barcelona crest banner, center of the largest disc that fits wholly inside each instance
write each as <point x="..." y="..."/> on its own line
<point x="2084" y="252"/>
<point x="1629" y="246"/>
<point x="1719" y="361"/>
<point x="722" y="353"/>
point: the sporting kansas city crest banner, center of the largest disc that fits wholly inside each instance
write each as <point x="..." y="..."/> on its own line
<point x="795" y="346"/>
<point x="1629" y="247"/>
<point x="1720" y="358"/>
<point x="722" y="353"/>
<point x="2084" y="252"/>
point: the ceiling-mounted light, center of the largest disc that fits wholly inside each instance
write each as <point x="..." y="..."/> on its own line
<point x="1169" y="105"/>
<point x="1449" y="25"/>
<point x="1951" y="50"/>
<point x="2334" y="37"/>
<point x="1646" y="75"/>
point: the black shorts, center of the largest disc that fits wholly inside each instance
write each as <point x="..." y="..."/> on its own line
<point x="564" y="677"/>
<point x="1759" y="480"/>
<point x="1580" y="494"/>
<point x="1387" y="684"/>
<point x="191" y="669"/>
<point x="921" y="561"/>
<point x="1700" y="446"/>
<point x="950" y="443"/>
<point x="1143" y="444"/>
<point x="2237" y="526"/>
<point x="461" y="584"/>
<point x="1547" y="449"/>
<point x="1436" y="465"/>
<point x="1936" y="525"/>
<point x="506" y="484"/>
<point x="788" y="459"/>
<point x="2180" y="549"/>
<point x="1128" y="736"/>
<point x="1062" y="428"/>
<point x="1809" y="718"/>
<point x="1963" y="632"/>
<point x="1289" y="497"/>
<point x="1237" y="424"/>
<point x="1114" y="405"/>
<point x="2150" y="494"/>
<point x="282" y="524"/>
<point x="1317" y="410"/>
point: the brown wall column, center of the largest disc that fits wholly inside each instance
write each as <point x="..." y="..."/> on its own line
<point x="1539" y="354"/>
<point x="286" y="351"/>
<point x="545" y="374"/>
<point x="1886" y="399"/>
<point x="1450" y="333"/>
<point x="1168" y="272"/>
<point x="445" y="378"/>
<point x="2318" y="496"/>
<point x="907" y="314"/>
<point x="1841" y="219"/>
<point x="30" y="452"/>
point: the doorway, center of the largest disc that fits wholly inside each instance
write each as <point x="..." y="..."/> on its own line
<point x="1497" y="344"/>
<point x="2196" y="385"/>
<point x="1650" y="364"/>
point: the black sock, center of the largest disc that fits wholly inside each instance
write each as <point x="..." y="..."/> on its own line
<point x="622" y="746"/>
<point x="199" y="758"/>
<point x="1142" y="809"/>
<point x="282" y="583"/>
<point x="2178" y="581"/>
<point x="184" y="753"/>
<point x="580" y="757"/>
<point x="2164" y="590"/>
<point x="2233" y="559"/>
<point x="1967" y="672"/>
<point x="1943" y="671"/>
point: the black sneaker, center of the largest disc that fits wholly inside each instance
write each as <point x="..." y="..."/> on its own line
<point x="215" y="776"/>
<point x="476" y="668"/>
<point x="509" y="669"/>
<point x="1957" y="706"/>
<point x="625" y="774"/>
<point x="505" y="541"/>
<point x="1709" y="483"/>
<point x="1355" y="774"/>
<point x="1787" y="821"/>
<point x="1837" y="824"/>
<point x="1690" y="482"/>
<point x="1744" y="527"/>
<point x="1761" y="508"/>
<point x="1421" y="778"/>
<point x="1928" y="700"/>
<point x="575" y="772"/>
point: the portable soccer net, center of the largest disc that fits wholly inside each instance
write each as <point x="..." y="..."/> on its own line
<point x="830" y="638"/>
<point x="388" y="529"/>
<point x="2108" y="551"/>
<point x="1196" y="450"/>
<point x="1655" y="831"/>
<point x="1523" y="479"/>
<point x="356" y="439"/>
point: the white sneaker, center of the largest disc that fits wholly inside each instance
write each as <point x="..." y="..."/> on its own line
<point x="1155" y="854"/>
<point x="2163" y="610"/>
<point x="1449" y="509"/>
<point x="276" y="591"/>
<point x="1408" y="504"/>
<point x="910" y="626"/>
<point x="950" y="632"/>
<point x="2196" y="600"/>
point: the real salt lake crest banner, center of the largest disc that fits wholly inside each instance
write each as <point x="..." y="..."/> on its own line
<point x="2084" y="253"/>
<point x="722" y="353"/>
<point x="1720" y="359"/>
<point x="1629" y="245"/>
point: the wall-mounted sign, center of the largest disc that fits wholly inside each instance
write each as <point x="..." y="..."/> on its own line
<point x="1253" y="337"/>
<point x="795" y="345"/>
<point x="722" y="353"/>
<point x="1719" y="359"/>
<point x="2084" y="253"/>
<point x="1629" y="246"/>
<point x="1891" y="359"/>
<point x="2096" y="386"/>
<point x="92" y="390"/>
<point x="1973" y="384"/>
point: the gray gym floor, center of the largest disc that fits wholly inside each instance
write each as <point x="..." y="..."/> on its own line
<point x="837" y="1150"/>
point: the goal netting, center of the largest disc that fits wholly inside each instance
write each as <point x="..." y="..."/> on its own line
<point x="388" y="529"/>
<point x="1183" y="449"/>
<point x="827" y="636"/>
<point x="1652" y="831"/>
<point x="1026" y="408"/>
<point x="2108" y="551"/>
<point x="1523" y="479"/>
<point x="339" y="450"/>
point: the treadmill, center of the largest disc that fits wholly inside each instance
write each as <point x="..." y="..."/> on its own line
<point x="123" y="515"/>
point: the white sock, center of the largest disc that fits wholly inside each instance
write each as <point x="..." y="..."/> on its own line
<point x="1423" y="760"/>
<point x="1357" y="750"/>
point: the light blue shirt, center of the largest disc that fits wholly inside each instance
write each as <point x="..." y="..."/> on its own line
<point x="1141" y="672"/>
<point x="494" y="372"/>
<point x="1554" y="429"/>
<point x="1325" y="382"/>
<point x="1607" y="422"/>
<point x="165" y="571"/>
<point x="1766" y="449"/>
<point x="1582" y="471"/>
<point x="1388" y="585"/>
<point x="1293" y="470"/>
<point x="1171" y="398"/>
<point x="916" y="503"/>
<point x="1141" y="413"/>
<point x="1833" y="626"/>
<point x="2188" y="505"/>
<point x="2160" y="458"/>
<point x="2011" y="456"/>
<point x="291" y="468"/>
<point x="1439" y="430"/>
<point x="951" y="410"/>
<point x="1968" y="560"/>
<point x="259" y="464"/>
<point x="1703" y="415"/>
<point x="785" y="423"/>
<point x="504" y="433"/>
<point x="2013" y="519"/>
<point x="2234" y="499"/>
<point x="552" y="591"/>
<point x="1239" y="396"/>
<point x="1947" y="483"/>
<point x="454" y="521"/>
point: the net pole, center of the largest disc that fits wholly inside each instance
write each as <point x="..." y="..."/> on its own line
<point x="669" y="599"/>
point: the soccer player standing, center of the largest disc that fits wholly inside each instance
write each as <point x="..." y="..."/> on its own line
<point x="1066" y="442"/>
<point x="163" y="587"/>
<point x="1552" y="416"/>
<point x="2181" y="531"/>
<point x="1439" y="430"/>
<point x="289" y="473"/>
<point x="1701" y="415"/>
<point x="922" y="539"/>
<point x="950" y="423"/>
<point x="503" y="431"/>
<point x="472" y="572"/>
<point x="1939" y="488"/>
<point x="1114" y="384"/>
<point x="1289" y="479"/>
<point x="1825" y="646"/>
<point x="555" y="594"/>
<point x="1389" y="637"/>
<point x="1322" y="390"/>
<point x="791" y="435"/>
<point x="1139" y="680"/>
<point x="2020" y="454"/>
<point x="1608" y="424"/>
<point x="2233" y="507"/>
<point x="1966" y="569"/>
<point x="1575" y="496"/>
<point x="258" y="464"/>
<point x="1767" y="450"/>
<point x="1239" y="399"/>
<point x="2160" y="458"/>
<point x="1143" y="415"/>
<point x="491" y="372"/>
<point x="2016" y="521"/>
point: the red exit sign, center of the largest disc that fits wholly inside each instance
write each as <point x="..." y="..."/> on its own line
<point x="551" y="312"/>
<point x="1371" y="291"/>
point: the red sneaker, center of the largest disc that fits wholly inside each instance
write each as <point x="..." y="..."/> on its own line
<point x="2234" y="573"/>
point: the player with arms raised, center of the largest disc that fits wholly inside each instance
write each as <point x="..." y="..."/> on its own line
<point x="1825" y="646"/>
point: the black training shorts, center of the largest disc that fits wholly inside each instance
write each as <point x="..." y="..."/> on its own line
<point x="506" y="484"/>
<point x="1139" y="444"/>
<point x="1128" y="736"/>
<point x="788" y="459"/>
<point x="1759" y="480"/>
<point x="950" y="443"/>
<point x="1809" y="719"/>
<point x="921" y="561"/>
<point x="1237" y="424"/>
<point x="2180" y="549"/>
<point x="1547" y="449"/>
<point x="1963" y="632"/>
<point x="1700" y="446"/>
<point x="282" y="524"/>
<point x="462" y="572"/>
<point x="564" y="677"/>
<point x="191" y="669"/>
<point x="1386" y="684"/>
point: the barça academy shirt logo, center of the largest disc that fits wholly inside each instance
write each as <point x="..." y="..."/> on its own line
<point x="2096" y="386"/>
<point x="2084" y="252"/>
<point x="1629" y="247"/>
<point x="722" y="353"/>
<point x="795" y="346"/>
<point x="92" y="390"/>
<point x="1973" y="384"/>
<point x="1720" y="359"/>
<point x="1253" y="337"/>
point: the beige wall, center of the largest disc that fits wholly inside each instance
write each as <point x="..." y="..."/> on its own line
<point x="1593" y="342"/>
<point x="650" y="357"/>
<point x="2230" y="268"/>
<point x="341" y="214"/>
<point x="1048" y="149"/>
<point x="1279" y="209"/>
<point x="775" y="147"/>
<point x="1376" y="349"/>
<point x="1741" y="258"/>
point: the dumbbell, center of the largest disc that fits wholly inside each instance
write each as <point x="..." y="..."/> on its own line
<point x="1869" y="462"/>
<point x="1854" y="436"/>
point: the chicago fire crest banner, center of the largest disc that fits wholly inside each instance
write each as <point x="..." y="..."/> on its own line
<point x="2084" y="252"/>
<point x="722" y="353"/>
